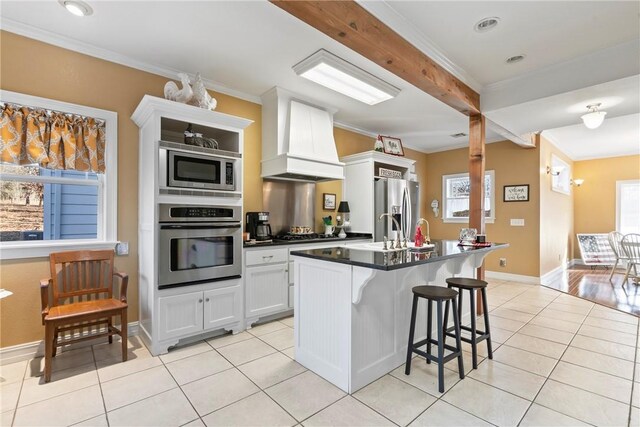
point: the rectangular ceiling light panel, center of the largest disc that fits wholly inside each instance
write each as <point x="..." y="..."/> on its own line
<point x="341" y="76"/>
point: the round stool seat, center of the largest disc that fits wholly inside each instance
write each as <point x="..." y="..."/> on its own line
<point x="436" y="293"/>
<point x="466" y="283"/>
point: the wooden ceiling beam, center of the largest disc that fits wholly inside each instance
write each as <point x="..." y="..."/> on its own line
<point x="353" y="26"/>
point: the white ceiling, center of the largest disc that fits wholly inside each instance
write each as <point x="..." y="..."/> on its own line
<point x="547" y="32"/>
<point x="615" y="137"/>
<point x="246" y="47"/>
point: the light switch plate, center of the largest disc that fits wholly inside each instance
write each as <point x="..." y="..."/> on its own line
<point x="122" y="248"/>
<point x="516" y="222"/>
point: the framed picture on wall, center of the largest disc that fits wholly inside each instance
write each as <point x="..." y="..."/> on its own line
<point x="516" y="193"/>
<point x="328" y="201"/>
<point x="392" y="145"/>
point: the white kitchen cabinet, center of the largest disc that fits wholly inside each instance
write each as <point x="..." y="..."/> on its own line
<point x="291" y="277"/>
<point x="180" y="315"/>
<point x="186" y="314"/>
<point x="222" y="307"/>
<point x="169" y="315"/>
<point x="268" y="278"/>
<point x="360" y="172"/>
<point x="267" y="290"/>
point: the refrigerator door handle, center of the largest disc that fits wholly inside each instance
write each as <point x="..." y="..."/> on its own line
<point x="405" y="214"/>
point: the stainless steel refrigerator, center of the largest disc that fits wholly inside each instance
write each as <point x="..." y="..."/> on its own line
<point x="400" y="198"/>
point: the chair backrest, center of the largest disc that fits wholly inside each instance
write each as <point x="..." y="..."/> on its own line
<point x="631" y="245"/>
<point x="615" y="237"/>
<point x="81" y="275"/>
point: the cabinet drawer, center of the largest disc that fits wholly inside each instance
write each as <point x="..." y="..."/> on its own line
<point x="266" y="256"/>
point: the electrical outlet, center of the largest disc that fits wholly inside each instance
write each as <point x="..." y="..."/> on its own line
<point x="503" y="262"/>
<point x="517" y="222"/>
<point x="122" y="248"/>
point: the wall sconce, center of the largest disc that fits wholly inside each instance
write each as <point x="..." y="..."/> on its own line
<point x="577" y="182"/>
<point x="553" y="171"/>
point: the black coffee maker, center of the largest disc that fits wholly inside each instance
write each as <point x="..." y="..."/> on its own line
<point x="258" y="225"/>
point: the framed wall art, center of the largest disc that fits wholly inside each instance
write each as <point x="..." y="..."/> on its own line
<point x="392" y="145"/>
<point x="516" y="193"/>
<point x="328" y="201"/>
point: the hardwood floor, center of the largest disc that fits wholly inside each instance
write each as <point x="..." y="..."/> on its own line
<point x="594" y="285"/>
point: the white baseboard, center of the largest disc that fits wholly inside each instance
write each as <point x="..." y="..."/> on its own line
<point x="28" y="351"/>
<point x="513" y="277"/>
<point x="576" y="261"/>
<point x="551" y="274"/>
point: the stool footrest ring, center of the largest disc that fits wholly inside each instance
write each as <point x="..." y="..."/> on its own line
<point x="434" y="342"/>
<point x="435" y="359"/>
<point x="479" y="338"/>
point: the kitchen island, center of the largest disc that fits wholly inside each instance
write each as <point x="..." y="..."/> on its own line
<point x="353" y="305"/>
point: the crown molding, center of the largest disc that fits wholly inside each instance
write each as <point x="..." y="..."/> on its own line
<point x="385" y="12"/>
<point x="32" y="32"/>
<point x="355" y="129"/>
<point x="608" y="156"/>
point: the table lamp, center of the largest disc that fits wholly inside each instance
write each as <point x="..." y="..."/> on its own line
<point x="342" y="219"/>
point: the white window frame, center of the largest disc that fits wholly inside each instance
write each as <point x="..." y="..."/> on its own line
<point x="560" y="175"/>
<point x="619" y="185"/>
<point x="465" y="220"/>
<point x="107" y="183"/>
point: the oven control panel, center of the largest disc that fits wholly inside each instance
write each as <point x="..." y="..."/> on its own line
<point x="192" y="212"/>
<point x="189" y="213"/>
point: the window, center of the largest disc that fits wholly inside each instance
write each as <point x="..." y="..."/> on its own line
<point x="628" y="206"/>
<point x="560" y="175"/>
<point x="455" y="192"/>
<point x="43" y="210"/>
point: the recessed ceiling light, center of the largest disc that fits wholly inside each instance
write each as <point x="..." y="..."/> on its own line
<point x="77" y="7"/>
<point x="337" y="74"/>
<point x="486" y="24"/>
<point x="514" y="59"/>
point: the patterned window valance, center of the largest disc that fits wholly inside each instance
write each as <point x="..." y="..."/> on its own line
<point x="53" y="139"/>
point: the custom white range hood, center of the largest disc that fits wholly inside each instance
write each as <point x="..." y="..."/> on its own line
<point x="297" y="139"/>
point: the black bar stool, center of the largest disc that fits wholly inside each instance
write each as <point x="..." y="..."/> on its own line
<point x="437" y="294"/>
<point x="471" y="285"/>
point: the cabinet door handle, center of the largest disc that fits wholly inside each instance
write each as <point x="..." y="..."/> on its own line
<point x="200" y="300"/>
<point x="267" y="257"/>
<point x="207" y="299"/>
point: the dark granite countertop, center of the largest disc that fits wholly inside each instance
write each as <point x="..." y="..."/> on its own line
<point x="275" y="242"/>
<point x="393" y="260"/>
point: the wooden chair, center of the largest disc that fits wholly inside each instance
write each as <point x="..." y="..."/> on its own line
<point x="82" y="297"/>
<point x="615" y="239"/>
<point x="631" y="245"/>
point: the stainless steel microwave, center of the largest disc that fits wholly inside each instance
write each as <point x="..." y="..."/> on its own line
<point x="183" y="169"/>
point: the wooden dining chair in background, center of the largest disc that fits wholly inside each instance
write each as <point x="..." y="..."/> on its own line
<point x="615" y="237"/>
<point x="79" y="295"/>
<point x="631" y="246"/>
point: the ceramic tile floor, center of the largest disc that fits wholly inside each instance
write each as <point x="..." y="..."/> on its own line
<point x="558" y="360"/>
